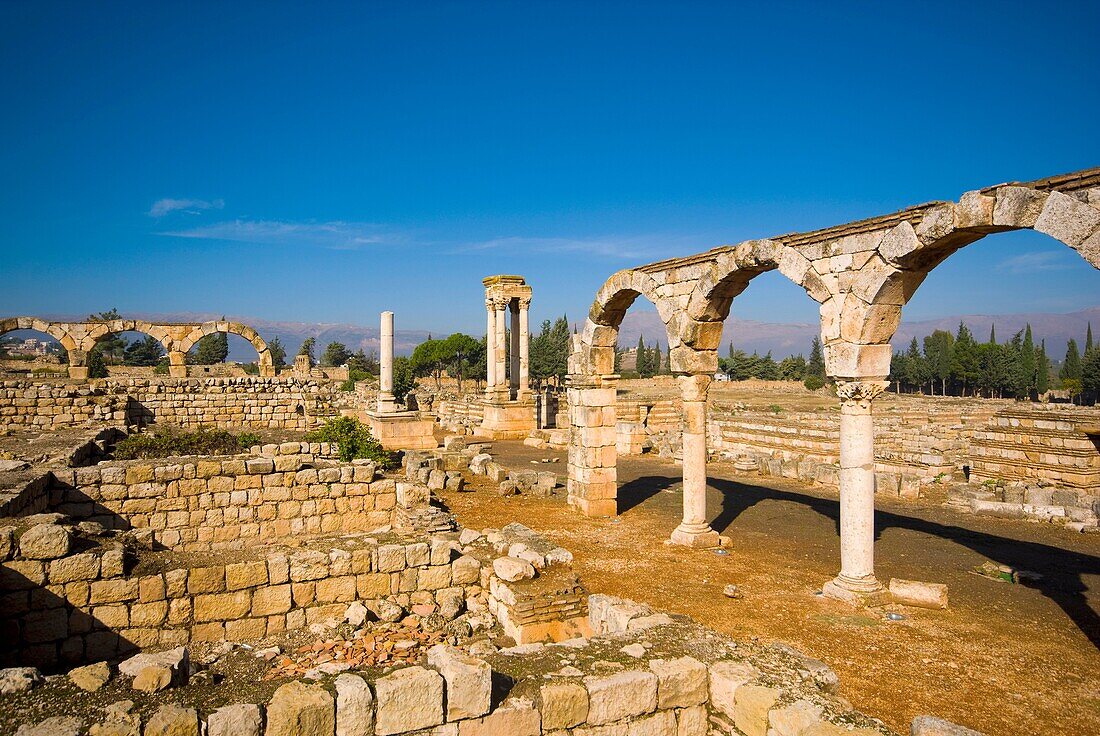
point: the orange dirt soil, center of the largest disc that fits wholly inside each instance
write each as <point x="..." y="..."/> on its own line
<point x="1004" y="658"/>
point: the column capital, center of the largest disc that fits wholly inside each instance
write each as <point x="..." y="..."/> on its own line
<point x="860" y="392"/>
<point x="524" y="302"/>
<point x="500" y="303"/>
<point x="694" y="386"/>
<point x="488" y="304"/>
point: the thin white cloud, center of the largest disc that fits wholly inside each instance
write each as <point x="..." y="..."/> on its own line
<point x="332" y="235"/>
<point x="1036" y="261"/>
<point x="168" y="205"/>
<point x="627" y="247"/>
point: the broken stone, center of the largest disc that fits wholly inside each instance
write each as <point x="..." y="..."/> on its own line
<point x="354" y="706"/>
<point x="242" y="719"/>
<point x="153" y="679"/>
<point x="356" y="614"/>
<point x="298" y="709"/>
<point x="563" y="705"/>
<point x="177" y="660"/>
<point x="511" y="570"/>
<point x="172" y="720"/>
<point x="932" y="726"/>
<point x="681" y="683"/>
<point x="56" y="726"/>
<point x="626" y="694"/>
<point x="18" y="679"/>
<point x="732" y="591"/>
<point x="469" y="681"/>
<point x="918" y="594"/>
<point x="91" y="677"/>
<point x="45" y="542"/>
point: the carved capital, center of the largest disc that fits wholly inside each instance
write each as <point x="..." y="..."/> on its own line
<point x="861" y="393"/>
<point x="500" y="303"/>
<point x="524" y="303"/>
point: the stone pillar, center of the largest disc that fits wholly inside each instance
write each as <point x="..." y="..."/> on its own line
<point x="513" y="378"/>
<point x="78" y="367"/>
<point x="856" y="580"/>
<point x="386" y="401"/>
<point x="501" y="348"/>
<point x="524" y="350"/>
<point x="490" y="347"/>
<point x="592" y="485"/>
<point x="177" y="364"/>
<point x="694" y="531"/>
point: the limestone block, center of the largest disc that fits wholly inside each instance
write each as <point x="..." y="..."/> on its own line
<point x="469" y="681"/>
<point x="919" y="594"/>
<point x="563" y="704"/>
<point x="45" y="542"/>
<point x="408" y="699"/>
<point x="152" y="679"/>
<point x="83" y="566"/>
<point x="298" y="709"/>
<point x="974" y="210"/>
<point x="512" y="570"/>
<point x="177" y="661"/>
<point x="1067" y="219"/>
<point x="1018" y="206"/>
<point x="172" y="720"/>
<point x="18" y="679"/>
<point x="725" y="679"/>
<point x="242" y="719"/>
<point x="751" y="706"/>
<point x="466" y="570"/>
<point x="692" y="721"/>
<point x="91" y="677"/>
<point x="661" y="723"/>
<point x="354" y="706"/>
<point x="55" y="726"/>
<point x="793" y="719"/>
<point x="681" y="683"/>
<point x="620" y="695"/>
<point x="513" y="718"/>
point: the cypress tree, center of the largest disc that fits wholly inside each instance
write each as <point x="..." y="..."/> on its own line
<point x="640" y="358"/>
<point x="1071" y="366"/>
<point x="1088" y="340"/>
<point x="1042" y="369"/>
<point x="993" y="333"/>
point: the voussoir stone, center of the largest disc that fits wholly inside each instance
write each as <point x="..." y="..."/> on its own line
<point x="298" y="709"/>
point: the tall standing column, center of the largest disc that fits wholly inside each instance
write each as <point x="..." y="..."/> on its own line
<point x="513" y="380"/>
<point x="857" y="490"/>
<point x="490" y="348"/>
<point x="694" y="531"/>
<point x="524" y="349"/>
<point x="386" y="401"/>
<point x="501" y="348"/>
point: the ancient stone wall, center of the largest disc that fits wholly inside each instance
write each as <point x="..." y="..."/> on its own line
<point x="200" y="503"/>
<point x="275" y="403"/>
<point x="1029" y="443"/>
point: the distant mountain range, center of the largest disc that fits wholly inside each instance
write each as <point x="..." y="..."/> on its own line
<point x="781" y="339"/>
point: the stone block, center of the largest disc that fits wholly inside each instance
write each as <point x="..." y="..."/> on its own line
<point x="298" y="709"/>
<point x="469" y="681"/>
<point x="563" y="704"/>
<point x="242" y="719"/>
<point x="45" y="542"/>
<point x="751" y="706"/>
<point x="724" y="679"/>
<point x="918" y="594"/>
<point x="681" y="683"/>
<point x="932" y="726"/>
<point x="626" y="694"/>
<point x="354" y="706"/>
<point x="513" y="718"/>
<point x="172" y="720"/>
<point x="793" y="719"/>
<point x="408" y="699"/>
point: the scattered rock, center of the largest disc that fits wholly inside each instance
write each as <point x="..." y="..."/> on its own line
<point x="356" y="614"/>
<point x="91" y="677"/>
<point x="153" y="679"/>
<point x="918" y="594"/>
<point x="177" y="661"/>
<point x="511" y="570"/>
<point x="388" y="611"/>
<point x="242" y="719"/>
<point x="732" y="591"/>
<point x="56" y="726"/>
<point x="19" y="679"/>
<point x="172" y="720"/>
<point x="932" y="726"/>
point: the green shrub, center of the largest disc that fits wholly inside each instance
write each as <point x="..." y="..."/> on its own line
<point x="353" y="441"/>
<point x="775" y="409"/>
<point x="813" y="383"/>
<point x="168" y="441"/>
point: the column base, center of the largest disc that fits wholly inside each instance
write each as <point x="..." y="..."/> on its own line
<point x="506" y="420"/>
<point x="856" y="591"/>
<point x="78" y="372"/>
<point x="403" y="430"/>
<point x="696" y="536"/>
<point x="177" y="371"/>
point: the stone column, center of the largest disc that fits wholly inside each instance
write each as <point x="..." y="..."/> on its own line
<point x="592" y="485"/>
<point x="387" y="404"/>
<point x="501" y="349"/>
<point x="513" y="379"/>
<point x="490" y="347"/>
<point x="78" y="366"/>
<point x="857" y="491"/>
<point x="177" y="364"/>
<point x="524" y="350"/>
<point x="694" y="531"/>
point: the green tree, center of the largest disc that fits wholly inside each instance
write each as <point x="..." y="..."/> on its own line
<point x="540" y="364"/>
<point x="462" y="351"/>
<point x="430" y="358"/>
<point x="278" y="352"/>
<point x="336" y="353"/>
<point x="965" y="360"/>
<point x="1090" y="373"/>
<point x="1026" y="365"/>
<point x="641" y="359"/>
<point x="307" y="349"/>
<point x="918" y="372"/>
<point x="97" y="367"/>
<point x="1088" y="340"/>
<point x="211" y="349"/>
<point x="618" y="365"/>
<point x="1071" y="366"/>
<point x="404" y="377"/>
<point x="792" y="368"/>
<point x="111" y="347"/>
<point x="1042" y="369"/>
<point x="937" y="351"/>
<point x="144" y="352"/>
<point x="363" y="363"/>
<point x="816" y="365"/>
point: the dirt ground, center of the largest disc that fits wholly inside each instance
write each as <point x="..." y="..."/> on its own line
<point x="1004" y="658"/>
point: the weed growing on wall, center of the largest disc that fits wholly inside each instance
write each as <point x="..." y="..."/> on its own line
<point x="353" y="440"/>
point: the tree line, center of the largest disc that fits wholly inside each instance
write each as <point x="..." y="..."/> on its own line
<point x="957" y="364"/>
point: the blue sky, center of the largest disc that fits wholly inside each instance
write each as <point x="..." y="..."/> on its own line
<point x="296" y="162"/>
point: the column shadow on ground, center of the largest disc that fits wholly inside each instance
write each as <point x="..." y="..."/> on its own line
<point x="1062" y="570"/>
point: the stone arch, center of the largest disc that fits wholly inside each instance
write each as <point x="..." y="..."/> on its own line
<point x="871" y="312"/>
<point x="100" y="330"/>
<point x="596" y="355"/>
<point x="53" y="329"/>
<point x="267" y="367"/>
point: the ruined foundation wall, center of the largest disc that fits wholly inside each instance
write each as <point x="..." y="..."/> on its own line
<point x="268" y="403"/>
